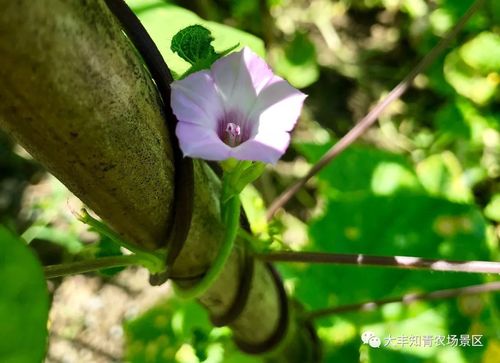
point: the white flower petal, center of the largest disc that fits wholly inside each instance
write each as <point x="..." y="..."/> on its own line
<point x="195" y="99"/>
<point x="239" y="77"/>
<point x="241" y="89"/>
<point x="201" y="142"/>
<point x="266" y="147"/>
<point x="278" y="106"/>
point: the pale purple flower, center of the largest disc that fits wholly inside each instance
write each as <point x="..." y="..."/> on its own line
<point x="236" y="109"/>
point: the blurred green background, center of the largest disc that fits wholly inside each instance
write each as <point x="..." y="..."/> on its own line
<point x="424" y="181"/>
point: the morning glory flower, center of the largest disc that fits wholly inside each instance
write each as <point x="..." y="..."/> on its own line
<point x="236" y="109"/>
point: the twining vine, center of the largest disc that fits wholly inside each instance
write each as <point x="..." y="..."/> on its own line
<point x="242" y="165"/>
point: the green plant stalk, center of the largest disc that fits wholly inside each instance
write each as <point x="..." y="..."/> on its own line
<point x="231" y="217"/>
<point x="79" y="267"/>
<point x="234" y="180"/>
<point x="153" y="261"/>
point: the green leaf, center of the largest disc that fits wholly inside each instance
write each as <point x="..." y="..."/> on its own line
<point x="362" y="168"/>
<point x="483" y="52"/>
<point x="193" y="44"/>
<point x="179" y="331"/>
<point x="468" y="81"/>
<point x="162" y="333"/>
<point x="106" y="247"/>
<point x="449" y="120"/>
<point x="442" y="175"/>
<point x="255" y="209"/>
<point x="24" y="302"/>
<point x="492" y="210"/>
<point x="401" y="224"/>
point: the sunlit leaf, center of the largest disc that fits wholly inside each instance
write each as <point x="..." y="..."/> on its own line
<point x="469" y="82"/>
<point x="24" y="302"/>
<point x="483" y="52"/>
<point x="163" y="20"/>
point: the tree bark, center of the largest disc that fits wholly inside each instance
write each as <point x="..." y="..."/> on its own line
<point x="76" y="95"/>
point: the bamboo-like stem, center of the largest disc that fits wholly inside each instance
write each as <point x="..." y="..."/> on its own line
<point x="97" y="264"/>
<point x="407" y="299"/>
<point x="77" y="96"/>
<point x="398" y="262"/>
<point x="367" y="121"/>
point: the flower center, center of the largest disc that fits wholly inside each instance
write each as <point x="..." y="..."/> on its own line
<point x="232" y="134"/>
<point x="233" y="128"/>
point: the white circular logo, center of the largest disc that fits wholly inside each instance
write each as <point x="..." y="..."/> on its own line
<point x="374" y="342"/>
<point x="365" y="337"/>
<point x="369" y="337"/>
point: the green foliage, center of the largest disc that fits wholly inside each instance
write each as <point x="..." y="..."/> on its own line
<point x="492" y="210"/>
<point x="442" y="175"/>
<point x="420" y="210"/>
<point x="468" y="81"/>
<point x="158" y="335"/>
<point x="473" y="68"/>
<point x="297" y="61"/>
<point x="423" y="183"/>
<point x="179" y="331"/>
<point x="106" y="247"/>
<point x="163" y="20"/>
<point x="193" y="44"/>
<point x="24" y="302"/>
<point x="363" y="168"/>
<point x="482" y="52"/>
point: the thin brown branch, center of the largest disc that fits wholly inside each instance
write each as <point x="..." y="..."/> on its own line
<point x="367" y="121"/>
<point x="398" y="262"/>
<point x="407" y="299"/>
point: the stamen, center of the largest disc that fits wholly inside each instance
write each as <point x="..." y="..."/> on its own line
<point x="232" y="134"/>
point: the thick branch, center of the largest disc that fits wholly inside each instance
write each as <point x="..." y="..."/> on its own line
<point x="76" y="95"/>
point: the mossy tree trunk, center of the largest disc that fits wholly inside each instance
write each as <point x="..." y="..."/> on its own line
<point x="76" y="95"/>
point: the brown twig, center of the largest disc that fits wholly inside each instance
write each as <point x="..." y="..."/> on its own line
<point x="374" y="114"/>
<point x="407" y="299"/>
<point x="399" y="262"/>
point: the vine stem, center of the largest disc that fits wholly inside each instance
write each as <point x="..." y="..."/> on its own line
<point x="406" y="299"/>
<point x="374" y="114"/>
<point x="102" y="263"/>
<point x="231" y="217"/>
<point x="399" y="262"/>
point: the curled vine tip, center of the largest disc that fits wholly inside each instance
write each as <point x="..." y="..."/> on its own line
<point x="237" y="109"/>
